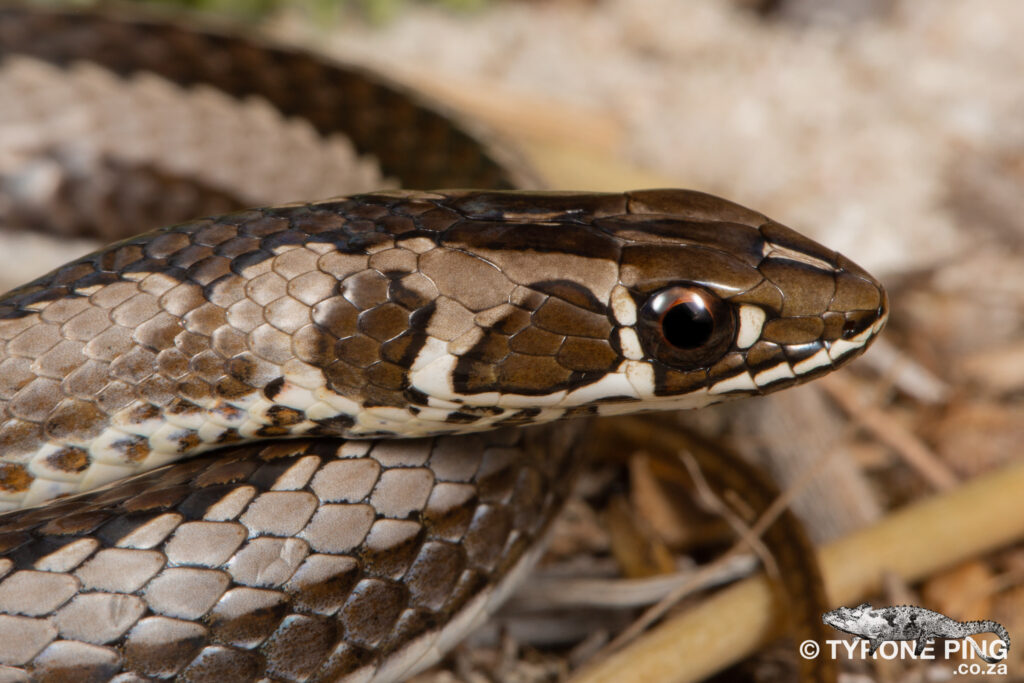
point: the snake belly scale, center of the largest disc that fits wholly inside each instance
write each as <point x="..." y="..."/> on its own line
<point x="365" y="381"/>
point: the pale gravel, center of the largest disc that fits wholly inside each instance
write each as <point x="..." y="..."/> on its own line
<point x="846" y="132"/>
<point x="850" y="133"/>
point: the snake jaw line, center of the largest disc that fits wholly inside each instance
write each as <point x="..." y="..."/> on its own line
<point x="403" y="341"/>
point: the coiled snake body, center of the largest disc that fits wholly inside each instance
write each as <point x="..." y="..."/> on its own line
<point x="345" y="553"/>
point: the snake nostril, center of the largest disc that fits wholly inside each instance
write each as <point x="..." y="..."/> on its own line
<point x="856" y="322"/>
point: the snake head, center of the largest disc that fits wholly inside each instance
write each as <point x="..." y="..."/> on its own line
<point x="611" y="303"/>
<point x="723" y="300"/>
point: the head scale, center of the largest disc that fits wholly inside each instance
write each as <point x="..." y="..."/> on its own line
<point x="605" y="303"/>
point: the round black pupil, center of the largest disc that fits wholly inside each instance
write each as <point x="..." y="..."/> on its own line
<point x="687" y="325"/>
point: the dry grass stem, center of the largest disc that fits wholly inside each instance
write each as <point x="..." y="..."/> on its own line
<point x="909" y="447"/>
<point x="980" y="516"/>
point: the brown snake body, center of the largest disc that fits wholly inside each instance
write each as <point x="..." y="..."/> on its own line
<point x="343" y="552"/>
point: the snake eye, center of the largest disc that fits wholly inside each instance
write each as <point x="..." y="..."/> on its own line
<point x="686" y="327"/>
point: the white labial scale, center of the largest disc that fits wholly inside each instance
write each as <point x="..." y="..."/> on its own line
<point x="841" y="347"/>
<point x="818" y="360"/>
<point x="751" y="323"/>
<point x="699" y="399"/>
<point x="630" y="344"/>
<point x="641" y="377"/>
<point x="612" y="384"/>
<point x="694" y="399"/>
<point x="623" y="306"/>
<point x="773" y="374"/>
<point x="740" y="382"/>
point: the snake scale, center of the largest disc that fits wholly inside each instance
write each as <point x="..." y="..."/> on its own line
<point x="418" y="349"/>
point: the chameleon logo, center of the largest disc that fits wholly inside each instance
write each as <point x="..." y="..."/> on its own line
<point x="907" y="622"/>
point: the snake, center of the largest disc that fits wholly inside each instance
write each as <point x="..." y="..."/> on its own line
<point x="324" y="440"/>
